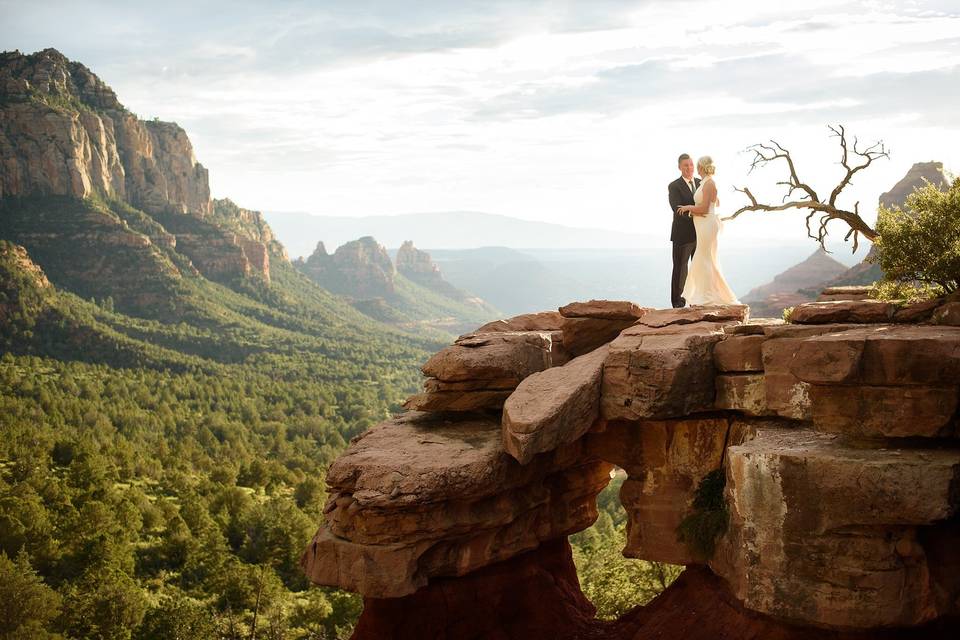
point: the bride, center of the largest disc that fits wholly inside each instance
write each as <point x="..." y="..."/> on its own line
<point x="705" y="283"/>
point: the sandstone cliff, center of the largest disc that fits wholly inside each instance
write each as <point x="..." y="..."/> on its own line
<point x="360" y="269"/>
<point x="64" y="134"/>
<point x="837" y="435"/>
<point x="418" y="267"/>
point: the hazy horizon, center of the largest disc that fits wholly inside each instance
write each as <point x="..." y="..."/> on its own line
<point x="557" y="112"/>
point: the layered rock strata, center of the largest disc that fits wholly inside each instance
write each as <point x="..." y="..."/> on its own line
<point x="838" y="440"/>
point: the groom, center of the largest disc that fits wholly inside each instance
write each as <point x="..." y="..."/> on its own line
<point x="682" y="234"/>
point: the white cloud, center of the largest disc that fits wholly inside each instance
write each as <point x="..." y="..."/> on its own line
<point x="564" y="111"/>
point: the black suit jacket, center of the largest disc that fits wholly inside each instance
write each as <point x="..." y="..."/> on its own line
<point x="679" y="193"/>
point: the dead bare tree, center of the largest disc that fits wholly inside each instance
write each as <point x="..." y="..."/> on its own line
<point x="853" y="159"/>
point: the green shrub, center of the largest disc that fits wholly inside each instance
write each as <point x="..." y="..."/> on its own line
<point x="922" y="245"/>
<point x="709" y="519"/>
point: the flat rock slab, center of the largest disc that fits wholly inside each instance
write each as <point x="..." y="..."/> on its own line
<point x="553" y="407"/>
<point x="688" y="315"/>
<point x="418" y="458"/>
<point x="497" y="356"/>
<point x="542" y="321"/>
<point x="660" y="373"/>
<point x="853" y="292"/>
<point x="891" y="412"/>
<point x="825" y="533"/>
<point x="458" y="401"/>
<point x="881" y="355"/>
<point x="604" y="309"/>
<point x="752" y="327"/>
<point x="861" y="311"/>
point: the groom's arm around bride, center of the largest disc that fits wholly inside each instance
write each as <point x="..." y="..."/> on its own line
<point x="683" y="235"/>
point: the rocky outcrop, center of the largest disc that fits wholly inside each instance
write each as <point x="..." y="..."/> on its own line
<point x="422" y="496"/>
<point x="833" y="535"/>
<point x="359" y="269"/>
<point x="63" y="132"/>
<point x="838" y="443"/>
<point x="69" y="147"/>
<point x="479" y="371"/>
<point x="416" y="265"/>
<point x="587" y="325"/>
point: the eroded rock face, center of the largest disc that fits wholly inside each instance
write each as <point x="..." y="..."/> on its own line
<point x="660" y="373"/>
<point x="360" y="268"/>
<point x="798" y="498"/>
<point x="65" y="133"/>
<point x="664" y="461"/>
<point x="420" y="496"/>
<point x="882" y="381"/>
<point x="534" y="595"/>
<point x="835" y="522"/>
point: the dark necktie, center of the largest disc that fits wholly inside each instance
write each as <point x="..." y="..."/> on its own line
<point x="692" y="188"/>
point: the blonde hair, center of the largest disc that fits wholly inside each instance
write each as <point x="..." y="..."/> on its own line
<point x="706" y="166"/>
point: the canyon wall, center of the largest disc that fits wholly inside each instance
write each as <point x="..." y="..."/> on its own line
<point x="64" y="133"/>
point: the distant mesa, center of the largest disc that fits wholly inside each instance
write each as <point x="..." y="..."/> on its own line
<point x="784" y="291"/>
<point x="360" y="269"/>
<point x="412" y="291"/>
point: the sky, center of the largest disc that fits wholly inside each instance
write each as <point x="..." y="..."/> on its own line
<point x="560" y="111"/>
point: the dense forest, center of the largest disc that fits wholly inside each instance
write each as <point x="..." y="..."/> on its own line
<point x="162" y="466"/>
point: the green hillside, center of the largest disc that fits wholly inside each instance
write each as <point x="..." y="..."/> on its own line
<point x="164" y="436"/>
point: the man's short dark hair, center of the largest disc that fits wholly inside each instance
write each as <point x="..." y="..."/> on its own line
<point x="683" y="156"/>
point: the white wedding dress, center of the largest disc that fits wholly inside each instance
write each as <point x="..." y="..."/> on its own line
<point x="705" y="283"/>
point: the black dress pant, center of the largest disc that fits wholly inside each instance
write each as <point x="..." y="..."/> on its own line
<point x="682" y="254"/>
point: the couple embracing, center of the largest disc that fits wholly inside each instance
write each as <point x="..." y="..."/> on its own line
<point x="694" y="236"/>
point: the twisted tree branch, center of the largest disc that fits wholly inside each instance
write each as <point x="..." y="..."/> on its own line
<point x="853" y="159"/>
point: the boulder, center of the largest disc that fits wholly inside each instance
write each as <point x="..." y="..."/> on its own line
<point x="604" y="309"/>
<point x="917" y="311"/>
<point x="826" y="534"/>
<point x="865" y="311"/>
<point x="947" y="314"/>
<point x="554" y="406"/>
<point x="542" y="321"/>
<point x="739" y="353"/>
<point x="660" y="373"/>
<point x="492" y="356"/>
